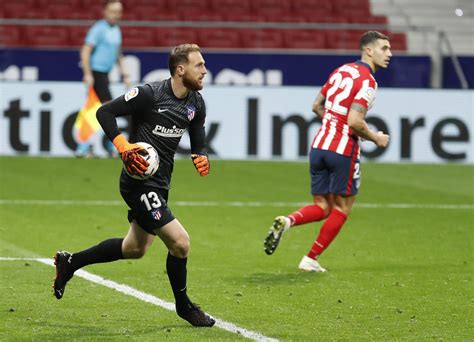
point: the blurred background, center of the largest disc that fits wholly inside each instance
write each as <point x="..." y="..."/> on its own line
<point x="267" y="60"/>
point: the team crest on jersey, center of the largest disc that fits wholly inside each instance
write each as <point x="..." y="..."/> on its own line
<point x="131" y="94"/>
<point x="191" y="112"/>
<point x="156" y="214"/>
<point x="370" y="92"/>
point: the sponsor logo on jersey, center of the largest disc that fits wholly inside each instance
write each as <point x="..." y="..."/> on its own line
<point x="173" y="132"/>
<point x="191" y="112"/>
<point x="131" y="94"/>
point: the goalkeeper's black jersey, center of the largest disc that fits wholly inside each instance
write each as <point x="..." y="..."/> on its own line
<point x="159" y="118"/>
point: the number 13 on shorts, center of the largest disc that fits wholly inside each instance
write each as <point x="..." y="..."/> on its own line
<point x="151" y="200"/>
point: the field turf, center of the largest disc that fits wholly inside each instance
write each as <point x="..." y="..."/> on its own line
<point x="401" y="269"/>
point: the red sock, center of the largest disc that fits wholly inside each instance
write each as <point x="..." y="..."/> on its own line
<point x="310" y="213"/>
<point x="328" y="232"/>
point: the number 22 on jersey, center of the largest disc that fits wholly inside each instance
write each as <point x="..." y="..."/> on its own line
<point x="340" y="91"/>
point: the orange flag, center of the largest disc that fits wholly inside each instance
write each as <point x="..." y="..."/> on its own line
<point x="86" y="122"/>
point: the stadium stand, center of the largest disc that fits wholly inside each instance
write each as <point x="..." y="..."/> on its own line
<point x="259" y="11"/>
<point x="439" y="15"/>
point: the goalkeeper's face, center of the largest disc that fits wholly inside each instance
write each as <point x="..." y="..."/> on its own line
<point x="194" y="71"/>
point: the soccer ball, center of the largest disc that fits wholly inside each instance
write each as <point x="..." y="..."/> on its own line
<point x="151" y="156"/>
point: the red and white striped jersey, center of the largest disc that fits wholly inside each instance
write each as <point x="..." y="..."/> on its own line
<point x="348" y="84"/>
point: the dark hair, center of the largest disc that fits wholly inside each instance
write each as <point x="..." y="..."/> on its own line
<point x="179" y="55"/>
<point x="371" y="36"/>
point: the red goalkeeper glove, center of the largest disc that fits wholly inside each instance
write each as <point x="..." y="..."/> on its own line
<point x="130" y="155"/>
<point x="201" y="163"/>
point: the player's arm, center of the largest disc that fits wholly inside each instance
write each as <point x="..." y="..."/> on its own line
<point x="134" y="102"/>
<point x="197" y="137"/>
<point x="86" y="52"/>
<point x="318" y="105"/>
<point x="356" y="120"/>
<point x="92" y="39"/>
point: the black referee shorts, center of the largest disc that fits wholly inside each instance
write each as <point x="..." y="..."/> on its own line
<point x="148" y="205"/>
<point x="101" y="86"/>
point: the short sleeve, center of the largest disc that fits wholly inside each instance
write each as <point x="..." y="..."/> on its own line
<point x="326" y="85"/>
<point x="93" y="35"/>
<point x="366" y="94"/>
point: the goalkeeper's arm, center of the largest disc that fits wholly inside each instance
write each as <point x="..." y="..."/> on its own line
<point x="134" y="102"/>
<point x="198" y="142"/>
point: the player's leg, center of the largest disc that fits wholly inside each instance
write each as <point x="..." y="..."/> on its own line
<point x="330" y="229"/>
<point x="101" y="86"/>
<point x="137" y="242"/>
<point x="310" y="213"/>
<point x="176" y="239"/>
<point x="133" y="246"/>
<point x="102" y="89"/>
<point x="345" y="181"/>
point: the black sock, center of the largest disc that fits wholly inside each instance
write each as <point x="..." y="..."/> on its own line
<point x="176" y="269"/>
<point x="106" y="251"/>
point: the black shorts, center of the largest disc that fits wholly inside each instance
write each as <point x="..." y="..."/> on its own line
<point x="101" y="86"/>
<point x="148" y="206"/>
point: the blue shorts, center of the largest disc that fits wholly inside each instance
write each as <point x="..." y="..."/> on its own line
<point x="334" y="173"/>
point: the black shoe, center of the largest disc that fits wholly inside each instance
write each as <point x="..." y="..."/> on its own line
<point x="64" y="272"/>
<point x="194" y="315"/>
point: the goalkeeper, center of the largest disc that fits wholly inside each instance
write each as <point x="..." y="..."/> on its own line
<point x="160" y="114"/>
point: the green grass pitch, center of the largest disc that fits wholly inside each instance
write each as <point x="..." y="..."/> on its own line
<point x="395" y="273"/>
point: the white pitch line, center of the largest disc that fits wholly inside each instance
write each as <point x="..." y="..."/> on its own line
<point x="461" y="206"/>
<point x="145" y="297"/>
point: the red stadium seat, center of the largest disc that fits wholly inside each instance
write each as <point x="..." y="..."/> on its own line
<point x="267" y="7"/>
<point x="138" y="36"/>
<point x="351" y="8"/>
<point x="219" y="38"/>
<point x="187" y="5"/>
<point x="131" y="5"/>
<point x="46" y="35"/>
<point x="285" y="17"/>
<point x="66" y="11"/>
<point x="22" y="9"/>
<point x="11" y="35"/>
<point x="374" y="19"/>
<point x="266" y="39"/>
<point x="343" y="40"/>
<point x="323" y="7"/>
<point x="241" y="16"/>
<point x="92" y="9"/>
<point x="77" y="35"/>
<point x="73" y="4"/>
<point x="147" y="10"/>
<point x="168" y="37"/>
<point x="398" y="41"/>
<point x="304" y="39"/>
<point x="227" y="6"/>
<point x="201" y="16"/>
<point x="155" y="14"/>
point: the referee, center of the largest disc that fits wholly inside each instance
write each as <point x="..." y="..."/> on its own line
<point x="102" y="49"/>
<point x="160" y="113"/>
